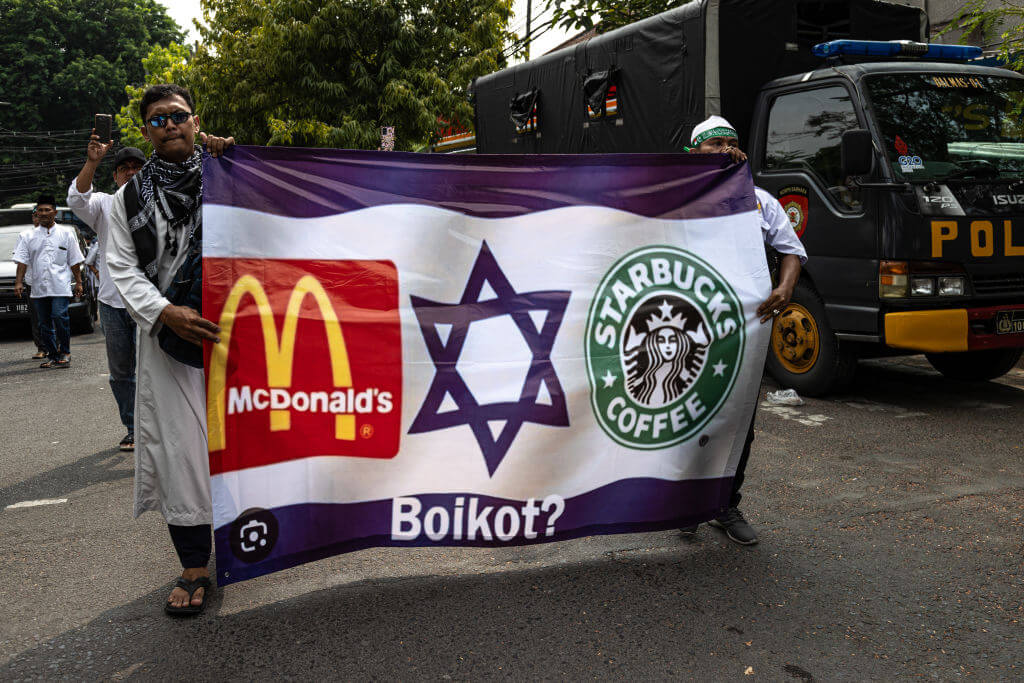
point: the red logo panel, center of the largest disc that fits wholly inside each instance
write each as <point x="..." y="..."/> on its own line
<point x="309" y="364"/>
<point x="795" y="206"/>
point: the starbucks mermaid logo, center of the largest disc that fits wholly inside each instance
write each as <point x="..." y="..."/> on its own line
<point x="663" y="355"/>
<point x="664" y="344"/>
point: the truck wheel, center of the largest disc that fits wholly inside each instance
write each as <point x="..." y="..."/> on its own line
<point x="803" y="353"/>
<point x="975" y="366"/>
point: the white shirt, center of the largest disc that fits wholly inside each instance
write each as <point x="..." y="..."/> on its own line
<point x="49" y="253"/>
<point x="28" y="270"/>
<point x="776" y="229"/>
<point x="94" y="209"/>
<point x="92" y="253"/>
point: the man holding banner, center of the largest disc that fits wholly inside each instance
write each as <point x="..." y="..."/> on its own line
<point x="474" y="350"/>
<point x="155" y="220"/>
<point x="717" y="136"/>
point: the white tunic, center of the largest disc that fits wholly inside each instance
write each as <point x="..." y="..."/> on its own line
<point x="94" y="208"/>
<point x="172" y="470"/>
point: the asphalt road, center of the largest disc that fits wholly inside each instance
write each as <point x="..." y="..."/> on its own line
<point x="891" y="522"/>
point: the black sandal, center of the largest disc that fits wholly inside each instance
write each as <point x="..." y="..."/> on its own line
<point x="190" y="587"/>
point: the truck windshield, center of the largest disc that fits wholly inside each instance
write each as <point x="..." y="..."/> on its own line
<point x="950" y="126"/>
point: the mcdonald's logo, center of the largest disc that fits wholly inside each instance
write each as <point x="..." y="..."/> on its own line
<point x="309" y="362"/>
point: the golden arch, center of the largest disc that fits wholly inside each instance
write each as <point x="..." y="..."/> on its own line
<point x="280" y="353"/>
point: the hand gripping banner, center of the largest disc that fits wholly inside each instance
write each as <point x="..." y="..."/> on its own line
<point x="473" y="350"/>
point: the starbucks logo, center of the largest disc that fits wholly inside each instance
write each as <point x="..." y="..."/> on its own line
<point x="664" y="344"/>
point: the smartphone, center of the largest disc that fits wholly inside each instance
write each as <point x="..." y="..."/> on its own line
<point x="102" y="124"/>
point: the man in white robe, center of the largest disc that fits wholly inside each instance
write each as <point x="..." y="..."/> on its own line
<point x="171" y="465"/>
<point x="717" y="136"/>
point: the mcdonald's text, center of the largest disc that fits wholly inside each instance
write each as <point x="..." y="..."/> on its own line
<point x="246" y="399"/>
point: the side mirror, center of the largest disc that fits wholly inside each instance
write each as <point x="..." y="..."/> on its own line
<point x="857" y="152"/>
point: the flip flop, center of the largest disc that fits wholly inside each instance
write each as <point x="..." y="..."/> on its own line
<point x="39" y="355"/>
<point x="190" y="587"/>
<point x="48" y="364"/>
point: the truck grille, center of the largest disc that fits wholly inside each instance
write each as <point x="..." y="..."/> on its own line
<point x="999" y="283"/>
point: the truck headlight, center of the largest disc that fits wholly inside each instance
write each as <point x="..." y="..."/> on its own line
<point x="892" y="279"/>
<point x="922" y="286"/>
<point x="951" y="286"/>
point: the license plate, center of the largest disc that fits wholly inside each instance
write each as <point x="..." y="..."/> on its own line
<point x="14" y="308"/>
<point x="1010" y="322"/>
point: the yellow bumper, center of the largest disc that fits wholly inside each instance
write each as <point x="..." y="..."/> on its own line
<point x="932" y="331"/>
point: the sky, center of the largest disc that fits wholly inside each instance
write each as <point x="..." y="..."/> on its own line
<point x="183" y="11"/>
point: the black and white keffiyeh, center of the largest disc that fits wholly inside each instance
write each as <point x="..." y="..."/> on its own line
<point x="176" y="191"/>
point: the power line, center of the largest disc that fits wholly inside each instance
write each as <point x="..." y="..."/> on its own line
<point x="46" y="148"/>
<point x="67" y="131"/>
<point x="538" y="24"/>
<point x="11" y="190"/>
<point x="511" y="49"/>
<point x="46" y="162"/>
<point x="41" y="136"/>
<point x="38" y="169"/>
<point x="48" y="132"/>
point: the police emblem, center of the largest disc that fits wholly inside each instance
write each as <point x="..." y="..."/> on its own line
<point x="664" y="345"/>
<point x="795" y="203"/>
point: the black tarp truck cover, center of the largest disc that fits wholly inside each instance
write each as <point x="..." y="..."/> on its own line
<point x="670" y="72"/>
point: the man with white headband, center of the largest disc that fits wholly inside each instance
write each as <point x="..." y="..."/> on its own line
<point x="717" y="136"/>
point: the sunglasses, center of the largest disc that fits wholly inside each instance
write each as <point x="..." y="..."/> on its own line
<point x="160" y="120"/>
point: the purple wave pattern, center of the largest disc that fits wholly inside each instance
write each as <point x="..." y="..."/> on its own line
<point x="307" y="183"/>
<point x="313" y="531"/>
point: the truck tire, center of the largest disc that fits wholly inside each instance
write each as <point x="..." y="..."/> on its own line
<point x="803" y="353"/>
<point x="975" y="366"/>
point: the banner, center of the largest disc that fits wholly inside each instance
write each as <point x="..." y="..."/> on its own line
<point x="473" y="350"/>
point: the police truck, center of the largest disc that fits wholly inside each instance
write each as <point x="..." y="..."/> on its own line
<point x="900" y="164"/>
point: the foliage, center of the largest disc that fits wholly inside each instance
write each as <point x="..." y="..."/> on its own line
<point x="162" y="65"/>
<point x="606" y="15"/>
<point x="987" y="19"/>
<point x="324" y="73"/>
<point x="61" y="61"/>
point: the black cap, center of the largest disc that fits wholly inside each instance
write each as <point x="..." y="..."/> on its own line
<point x="46" y="199"/>
<point x="126" y="153"/>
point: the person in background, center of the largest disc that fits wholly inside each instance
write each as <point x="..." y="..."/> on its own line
<point x="32" y="317"/>
<point x="91" y="254"/>
<point x="53" y="254"/>
<point x="118" y="327"/>
<point x="717" y="136"/>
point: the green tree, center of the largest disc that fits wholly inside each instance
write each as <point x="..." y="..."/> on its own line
<point x="330" y="73"/>
<point x="1003" y="18"/>
<point x="605" y="15"/>
<point x="61" y="61"/>
<point x="162" y="65"/>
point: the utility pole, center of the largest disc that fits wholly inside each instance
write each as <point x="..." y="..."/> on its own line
<point x="529" y="21"/>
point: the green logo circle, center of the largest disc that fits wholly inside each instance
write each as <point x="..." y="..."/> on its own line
<point x="664" y="344"/>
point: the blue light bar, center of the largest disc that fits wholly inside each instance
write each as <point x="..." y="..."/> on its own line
<point x="896" y="48"/>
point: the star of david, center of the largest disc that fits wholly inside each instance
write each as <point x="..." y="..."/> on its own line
<point x="445" y="355"/>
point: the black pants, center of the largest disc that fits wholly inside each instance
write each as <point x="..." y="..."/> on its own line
<point x="33" y="320"/>
<point x="741" y="468"/>
<point x="193" y="544"/>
